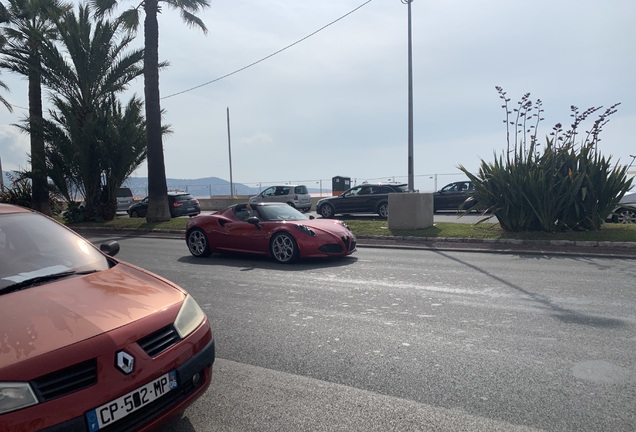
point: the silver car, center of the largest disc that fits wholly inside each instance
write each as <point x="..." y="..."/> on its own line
<point x="625" y="212"/>
<point x="124" y="199"/>
<point x="296" y="196"/>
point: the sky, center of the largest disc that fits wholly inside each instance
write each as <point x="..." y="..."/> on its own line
<point x="336" y="103"/>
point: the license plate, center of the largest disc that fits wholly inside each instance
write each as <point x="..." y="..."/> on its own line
<point x="119" y="408"/>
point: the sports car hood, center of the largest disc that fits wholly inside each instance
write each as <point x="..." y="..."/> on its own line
<point x="44" y="318"/>
<point x="332" y="226"/>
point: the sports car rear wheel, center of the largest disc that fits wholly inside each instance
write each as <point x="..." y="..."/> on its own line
<point x="283" y="248"/>
<point x="198" y="243"/>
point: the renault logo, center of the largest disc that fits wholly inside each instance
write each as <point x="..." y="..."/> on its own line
<point x="125" y="362"/>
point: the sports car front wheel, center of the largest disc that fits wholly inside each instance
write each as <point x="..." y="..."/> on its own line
<point x="198" y="243"/>
<point x="283" y="248"/>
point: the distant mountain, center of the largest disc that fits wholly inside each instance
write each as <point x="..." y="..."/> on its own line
<point x="201" y="187"/>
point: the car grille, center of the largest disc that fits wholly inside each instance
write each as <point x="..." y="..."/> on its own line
<point x="65" y="381"/>
<point x="349" y="242"/>
<point x="159" y="341"/>
<point x="331" y="248"/>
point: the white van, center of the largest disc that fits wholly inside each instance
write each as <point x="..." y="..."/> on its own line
<point x="296" y="196"/>
<point x="124" y="199"/>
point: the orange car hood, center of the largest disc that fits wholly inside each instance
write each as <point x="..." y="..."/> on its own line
<point x="44" y="318"/>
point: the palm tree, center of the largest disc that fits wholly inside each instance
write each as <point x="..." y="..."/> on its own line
<point x="157" y="186"/>
<point x="85" y="133"/>
<point x="99" y="169"/>
<point x="26" y="24"/>
<point x="3" y="100"/>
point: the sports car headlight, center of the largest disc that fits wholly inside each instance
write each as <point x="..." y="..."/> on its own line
<point x="189" y="318"/>
<point x="344" y="225"/>
<point x="306" y="230"/>
<point x="16" y="395"/>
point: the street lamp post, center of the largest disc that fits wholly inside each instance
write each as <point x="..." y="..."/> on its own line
<point x="410" y="90"/>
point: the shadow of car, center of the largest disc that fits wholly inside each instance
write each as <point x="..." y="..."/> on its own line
<point x="180" y="203"/>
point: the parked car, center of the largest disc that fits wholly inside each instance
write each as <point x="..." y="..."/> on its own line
<point x="453" y="195"/>
<point x="625" y="212"/>
<point x="296" y="196"/>
<point x="365" y="198"/>
<point x="273" y="229"/>
<point x="181" y="204"/>
<point x="124" y="199"/>
<point x="88" y="341"/>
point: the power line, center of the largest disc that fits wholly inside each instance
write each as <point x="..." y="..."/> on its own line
<point x="258" y="61"/>
<point x="271" y="55"/>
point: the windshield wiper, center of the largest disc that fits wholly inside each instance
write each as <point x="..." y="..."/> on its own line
<point x="37" y="280"/>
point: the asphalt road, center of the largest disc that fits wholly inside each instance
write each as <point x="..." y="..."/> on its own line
<point x="410" y="340"/>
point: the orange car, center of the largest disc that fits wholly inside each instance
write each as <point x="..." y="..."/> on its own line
<point x="88" y="342"/>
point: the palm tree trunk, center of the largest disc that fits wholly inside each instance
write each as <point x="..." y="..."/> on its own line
<point x="39" y="183"/>
<point x="157" y="186"/>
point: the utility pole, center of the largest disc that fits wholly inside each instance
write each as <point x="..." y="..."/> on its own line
<point x="411" y="180"/>
<point x="229" y="147"/>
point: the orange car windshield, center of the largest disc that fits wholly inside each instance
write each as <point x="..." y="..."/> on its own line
<point x="34" y="246"/>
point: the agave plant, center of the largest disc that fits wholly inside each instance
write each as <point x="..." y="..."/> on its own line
<point x="563" y="186"/>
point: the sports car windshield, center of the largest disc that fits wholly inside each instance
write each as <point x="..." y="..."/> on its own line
<point x="280" y="213"/>
<point x="33" y="247"/>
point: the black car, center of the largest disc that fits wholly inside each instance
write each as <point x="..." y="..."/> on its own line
<point x="453" y="195"/>
<point x="181" y="204"/>
<point x="365" y="198"/>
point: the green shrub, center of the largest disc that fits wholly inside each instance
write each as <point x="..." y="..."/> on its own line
<point x="18" y="193"/>
<point x="562" y="186"/>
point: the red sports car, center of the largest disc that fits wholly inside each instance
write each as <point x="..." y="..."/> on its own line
<point x="88" y="342"/>
<point x="274" y="229"/>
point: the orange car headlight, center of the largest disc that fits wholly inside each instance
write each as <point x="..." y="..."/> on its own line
<point x="189" y="318"/>
<point x="16" y="395"/>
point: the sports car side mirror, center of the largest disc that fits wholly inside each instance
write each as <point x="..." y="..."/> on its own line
<point x="254" y="221"/>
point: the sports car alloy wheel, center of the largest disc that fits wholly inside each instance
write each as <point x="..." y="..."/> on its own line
<point x="198" y="243"/>
<point x="283" y="248"/>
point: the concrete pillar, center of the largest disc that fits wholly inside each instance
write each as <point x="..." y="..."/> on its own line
<point x="410" y="210"/>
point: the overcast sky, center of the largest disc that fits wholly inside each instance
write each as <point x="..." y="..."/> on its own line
<point x="335" y="104"/>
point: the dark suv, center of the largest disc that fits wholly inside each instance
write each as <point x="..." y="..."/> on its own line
<point x="181" y="204"/>
<point x="453" y="195"/>
<point x="365" y="198"/>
